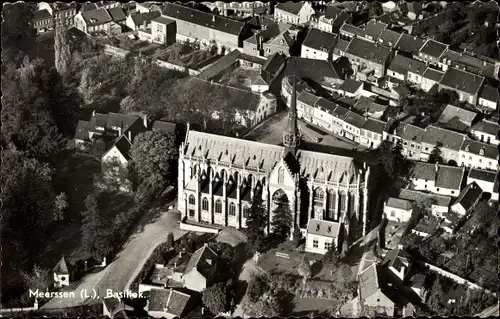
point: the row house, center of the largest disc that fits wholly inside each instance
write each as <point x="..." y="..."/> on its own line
<point x="430" y="78"/>
<point x="368" y="58"/>
<point x="242" y="9"/>
<point x="470" y="63"/>
<point x="42" y="21"/>
<point x="318" y="45"/>
<point x="194" y="25"/>
<point x="353" y="124"/>
<point x="293" y="12"/>
<point x="273" y="38"/>
<point x="431" y="52"/>
<point x="348" y="32"/>
<point x="467" y="85"/>
<point x="486" y="131"/>
<point x="440" y="203"/>
<point x="108" y="21"/>
<point x="438" y="179"/>
<point x="409" y="45"/>
<point x="449" y="143"/>
<point x="406" y="69"/>
<point x="147" y="7"/>
<point x="486" y="179"/>
<point x="478" y="155"/>
<point x="372" y="132"/>
<point x="62" y="13"/>
<point x="489" y="98"/>
<point x="389" y="38"/>
<point x="373" y="30"/>
<point x="411" y="139"/>
<point x="332" y="19"/>
<point x="368" y="107"/>
<point x="340" y="48"/>
<point x="351" y="88"/>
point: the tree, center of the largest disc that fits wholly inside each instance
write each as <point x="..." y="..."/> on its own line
<point x="267" y="305"/>
<point x="154" y="155"/>
<point x="257" y="286"/>
<point x="257" y="219"/>
<point x="436" y="154"/>
<point x="96" y="238"/>
<point x="305" y="269"/>
<point x="60" y="206"/>
<point x="170" y="240"/>
<point x="17" y="34"/>
<point x="332" y="257"/>
<point x="215" y="298"/>
<point x="297" y="236"/>
<point x="282" y="221"/>
<point x="62" y="51"/>
<point x="38" y="279"/>
<point x="87" y="87"/>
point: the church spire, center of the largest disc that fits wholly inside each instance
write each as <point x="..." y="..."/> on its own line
<point x="291" y="136"/>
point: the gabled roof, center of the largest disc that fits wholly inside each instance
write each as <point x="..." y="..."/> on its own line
<point x="449" y="177"/>
<point x="354" y="119"/>
<point x="41" y="14"/>
<point x="417" y="196"/>
<point x="320" y="40"/>
<point x="341" y="46"/>
<point x="350" y="29"/>
<point x="273" y="63"/>
<point x="374" y="125"/>
<point x="82" y="130"/>
<point x="462" y="80"/>
<point x="369" y="51"/>
<point x="374" y="28"/>
<point x="450" y="55"/>
<point x="117" y="14"/>
<point x="323" y="228"/>
<point x="123" y="145"/>
<point x="315" y="70"/>
<point x="367" y="105"/>
<point x="284" y="39"/>
<point x="96" y="17"/>
<point x="447" y="138"/>
<point x="482" y="175"/>
<point x="451" y="111"/>
<point x="489" y="93"/>
<point x="163" y="20"/>
<point x="409" y="44"/>
<point x="61" y="268"/>
<point x="477" y="65"/>
<point x="399" y="203"/>
<point x="409" y="132"/>
<point x="259" y="81"/>
<point x="475" y="147"/>
<point x="368" y="282"/>
<point x="215" y="22"/>
<point x="401" y="64"/>
<point x="486" y="126"/>
<point x="171" y="301"/>
<point x="199" y="261"/>
<point x="350" y="85"/>
<point x="140" y="18"/>
<point x="423" y="170"/>
<point x="396" y="258"/>
<point x="433" y="74"/>
<point x="389" y="37"/>
<point x="433" y="48"/>
<point x="116" y="307"/>
<point x="333" y="12"/>
<point x="290" y="7"/>
<point x="417" y="281"/>
<point x="308" y="98"/>
<point x="469" y="196"/>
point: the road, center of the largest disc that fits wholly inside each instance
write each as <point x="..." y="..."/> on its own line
<point x="117" y="277"/>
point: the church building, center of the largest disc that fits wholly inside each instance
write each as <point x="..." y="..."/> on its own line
<point x="219" y="176"/>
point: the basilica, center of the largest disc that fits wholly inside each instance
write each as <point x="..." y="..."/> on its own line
<point x="219" y="176"/>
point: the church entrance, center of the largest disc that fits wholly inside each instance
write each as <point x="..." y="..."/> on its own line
<point x="280" y="199"/>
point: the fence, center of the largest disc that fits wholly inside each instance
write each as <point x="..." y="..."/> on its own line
<point x="115" y="51"/>
<point x="180" y="68"/>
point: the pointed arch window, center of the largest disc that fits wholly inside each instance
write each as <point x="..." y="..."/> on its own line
<point x="204" y="204"/>
<point x="332" y="204"/>
<point x="343" y="202"/>
<point x="281" y="175"/>
<point x="192" y="200"/>
<point x="218" y="206"/>
<point x="319" y="197"/>
<point x="232" y="209"/>
<point x="246" y="211"/>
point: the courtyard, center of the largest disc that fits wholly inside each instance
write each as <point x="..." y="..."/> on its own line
<point x="240" y="78"/>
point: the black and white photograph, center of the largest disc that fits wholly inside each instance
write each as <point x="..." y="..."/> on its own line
<point x="189" y="159"/>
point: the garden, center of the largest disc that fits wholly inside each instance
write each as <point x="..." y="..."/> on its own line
<point x="186" y="54"/>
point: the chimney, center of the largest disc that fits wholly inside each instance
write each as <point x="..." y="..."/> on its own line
<point x="437" y="166"/>
<point x="209" y="261"/>
<point x="93" y="113"/>
<point x="175" y="265"/>
<point x="205" y="244"/>
<point x="145" y="120"/>
<point x="180" y="254"/>
<point x="130" y="136"/>
<point x="119" y="131"/>
<point x="144" y="24"/>
<point x="213" y="18"/>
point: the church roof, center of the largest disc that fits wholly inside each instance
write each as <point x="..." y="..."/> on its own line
<point x="61" y="267"/>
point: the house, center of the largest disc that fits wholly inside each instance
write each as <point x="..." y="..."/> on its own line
<point x="350" y="88"/>
<point x="469" y="62"/>
<point x="416" y="282"/>
<point x="114" y="164"/>
<point x="456" y="118"/>
<point x="373" y="29"/>
<point x="467" y="199"/>
<point x="371" y="133"/>
<point x="438" y="179"/>
<point x="61" y="274"/>
<point x="339" y="49"/>
<point x="449" y="143"/>
<point x="348" y="32"/>
<point x="318" y="45"/>
<point x="282" y="43"/>
<point x="321" y="234"/>
<point x="409" y="46"/>
<point x="200" y="271"/>
<point x="486" y="131"/>
<point x="411" y="139"/>
<point x="42" y="21"/>
<point x="61" y="12"/>
<point x="272" y="68"/>
<point x="147" y="7"/>
<point x="411" y="9"/>
<point x="368" y="58"/>
<point x="332" y="19"/>
<point x="430" y="78"/>
<point x="440" y="204"/>
<point x="389" y="38"/>
<point x="113" y="307"/>
<point x="477" y="154"/>
<point x="397" y="261"/>
<point x="168" y="303"/>
<point x="398" y="210"/>
<point x="488" y="97"/>
<point x="431" y="51"/>
<point x="406" y="69"/>
<point x="90" y="6"/>
<point x="163" y="30"/>
<point x="241" y="9"/>
<point x="485" y="179"/>
<point x="254" y="45"/>
<point x="389" y="6"/>
<point x="103" y="20"/>
<point x="353" y="124"/>
<point x="139" y="20"/>
<point x="368" y="107"/>
<point x="467" y="85"/>
<point x="293" y="12"/>
<point x="194" y="25"/>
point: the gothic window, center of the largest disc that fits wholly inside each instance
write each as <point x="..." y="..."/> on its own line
<point x="218" y="206"/>
<point x="191" y="200"/>
<point x="232" y="209"/>
<point x="281" y="175"/>
<point x="352" y="202"/>
<point x="204" y="204"/>
<point x="246" y="212"/>
<point x="280" y="199"/>
<point x="332" y="202"/>
<point x="343" y="202"/>
<point x="319" y="196"/>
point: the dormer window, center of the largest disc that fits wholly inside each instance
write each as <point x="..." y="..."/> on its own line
<point x="481" y="152"/>
<point x="467" y="148"/>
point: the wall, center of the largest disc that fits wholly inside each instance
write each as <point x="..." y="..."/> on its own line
<point x="115" y="51"/>
<point x="196" y="228"/>
<point x="146" y="287"/>
<point x="176" y="67"/>
<point x="483" y="137"/>
<point x="400" y="215"/>
<point x="321" y="243"/>
<point x="490" y="104"/>
<point x="486" y="163"/>
<point x="310" y="53"/>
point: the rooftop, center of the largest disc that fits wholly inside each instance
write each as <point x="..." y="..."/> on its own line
<point x="448" y="139"/>
<point x="320" y="40"/>
<point x="433" y="48"/>
<point x="433" y="74"/>
<point x="409" y="132"/>
<point x="425" y="171"/>
<point x="402" y="65"/>
<point x="451" y="111"/>
<point x="374" y="28"/>
<point x="449" y="177"/>
<point x="290" y="6"/>
<point x="61" y="267"/>
<point x="168" y="300"/>
<point x="374" y="125"/>
<point x="489" y="93"/>
<point x="352" y="30"/>
<point x="462" y="80"/>
<point x="417" y="196"/>
<point x="367" y="105"/>
<point x="485" y="126"/>
<point x="478" y="148"/>
<point x="399" y="203"/>
<point x="323" y="228"/>
<point x="469" y="196"/>
<point x="409" y="44"/>
<point x="369" y="51"/>
<point x="482" y="175"/>
<point x="350" y="85"/>
<point x="389" y="37"/>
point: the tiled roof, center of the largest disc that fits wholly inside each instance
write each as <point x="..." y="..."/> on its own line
<point x="163" y="20"/>
<point x="489" y="93"/>
<point x="396" y="258"/>
<point x="41" y="14"/>
<point x="273" y="63"/>
<point x="389" y="37"/>
<point x="121" y="120"/>
<point x="433" y="74"/>
<point x="462" y="80"/>
<point x="433" y="48"/>
<point x="163" y="126"/>
<point x="447" y="138"/>
<point x="367" y="105"/>
<point x="215" y="22"/>
<point x="475" y="147"/>
<point x="354" y="119"/>
<point x="328" y="105"/>
<point x="368" y="51"/>
<point x="315" y="70"/>
<point x="332" y="12"/>
<point x="123" y="145"/>
<point x="451" y="111"/>
<point x="482" y="175"/>
<point x="341" y="46"/>
<point x="320" y="40"/>
<point x="350" y="85"/>
<point x="426" y="171"/>
<point x="82" y="130"/>
<point x="469" y="196"/>
<point x="399" y="203"/>
<point x="368" y="282"/>
<point x="199" y="260"/>
<point x="475" y="65"/>
<point x="117" y="14"/>
<point x="450" y="55"/>
<point x="374" y="28"/>
<point x="402" y="65"/>
<point x="96" y="17"/>
<point x="374" y="125"/>
<point x="61" y="268"/>
<point x="417" y="196"/>
<point x="140" y="18"/>
<point x="449" y="177"/>
<point x="290" y="7"/>
<point x="486" y="126"/>
<point x="170" y="300"/>
<point x="350" y="29"/>
<point x="308" y="98"/>
<point x="323" y="228"/>
<point x="409" y="44"/>
<point x="409" y="132"/>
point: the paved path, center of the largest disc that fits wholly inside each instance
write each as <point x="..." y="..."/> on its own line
<point x="121" y="272"/>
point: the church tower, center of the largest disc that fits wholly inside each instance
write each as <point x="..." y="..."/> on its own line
<point x="291" y="137"/>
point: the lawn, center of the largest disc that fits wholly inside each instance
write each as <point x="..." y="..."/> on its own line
<point x="304" y="306"/>
<point x="135" y="46"/>
<point x="240" y="78"/>
<point x="185" y="55"/>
